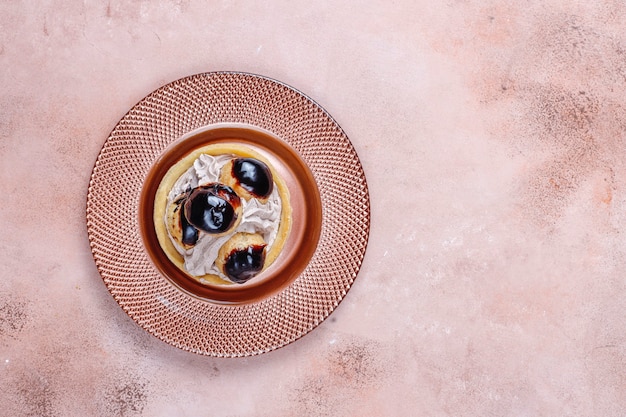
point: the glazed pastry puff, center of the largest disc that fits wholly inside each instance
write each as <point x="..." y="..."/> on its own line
<point x="242" y="256"/>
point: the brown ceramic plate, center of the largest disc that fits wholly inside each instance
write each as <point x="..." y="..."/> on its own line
<point x="329" y="197"/>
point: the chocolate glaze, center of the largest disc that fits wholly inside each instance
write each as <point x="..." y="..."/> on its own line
<point x="254" y="176"/>
<point x="189" y="233"/>
<point x="243" y="264"/>
<point x="212" y="208"/>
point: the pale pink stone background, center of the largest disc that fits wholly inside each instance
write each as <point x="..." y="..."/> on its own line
<point x="492" y="134"/>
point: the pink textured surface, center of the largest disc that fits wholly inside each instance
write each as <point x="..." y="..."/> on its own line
<point x="492" y="135"/>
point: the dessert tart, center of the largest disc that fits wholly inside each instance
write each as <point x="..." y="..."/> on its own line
<point x="222" y="214"/>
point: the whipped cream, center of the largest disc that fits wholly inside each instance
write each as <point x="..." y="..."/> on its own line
<point x="257" y="217"/>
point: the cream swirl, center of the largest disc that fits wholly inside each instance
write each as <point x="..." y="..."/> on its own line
<point x="257" y="217"/>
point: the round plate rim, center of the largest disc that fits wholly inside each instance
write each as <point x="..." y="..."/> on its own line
<point x="208" y="350"/>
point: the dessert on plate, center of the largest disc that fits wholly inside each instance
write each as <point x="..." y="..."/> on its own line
<point x="222" y="214"/>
